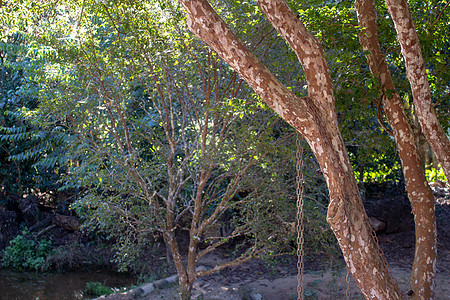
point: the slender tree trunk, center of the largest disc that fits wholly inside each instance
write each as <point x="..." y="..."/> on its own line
<point x="183" y="278"/>
<point x="417" y="76"/>
<point x="315" y="118"/>
<point x="419" y="193"/>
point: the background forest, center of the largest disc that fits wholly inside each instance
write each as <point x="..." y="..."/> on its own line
<point x="115" y="117"/>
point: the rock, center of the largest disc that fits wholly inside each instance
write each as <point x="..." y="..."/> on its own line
<point x="172" y="279"/>
<point x="144" y="290"/>
<point x="392" y="213"/>
<point x="247" y="293"/>
<point x="377" y="225"/>
<point x="68" y="223"/>
<point x="161" y="284"/>
<point x="9" y="227"/>
<point x="12" y="202"/>
<point x="42" y="224"/>
<point x="255" y="296"/>
<point x="202" y="268"/>
<point x="29" y="208"/>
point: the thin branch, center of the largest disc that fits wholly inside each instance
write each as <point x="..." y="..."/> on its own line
<point x="438" y="17"/>
<point x="244" y="258"/>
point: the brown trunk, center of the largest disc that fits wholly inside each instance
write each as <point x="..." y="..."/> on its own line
<point x="315" y="118"/>
<point x="419" y="193"/>
<point x="417" y="76"/>
<point x="183" y="278"/>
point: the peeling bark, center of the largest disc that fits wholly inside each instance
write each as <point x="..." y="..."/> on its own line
<point x="419" y="193"/>
<point x="417" y="76"/>
<point x="315" y="118"/>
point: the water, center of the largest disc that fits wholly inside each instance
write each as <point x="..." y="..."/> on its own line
<point x="53" y="286"/>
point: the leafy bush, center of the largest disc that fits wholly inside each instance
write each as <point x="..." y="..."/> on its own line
<point x="26" y="253"/>
<point x="97" y="289"/>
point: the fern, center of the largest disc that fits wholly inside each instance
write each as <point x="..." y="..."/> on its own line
<point x="16" y="137"/>
<point x="13" y="49"/>
<point x="31" y="150"/>
<point x="13" y="130"/>
<point x="33" y="153"/>
<point x="18" y="115"/>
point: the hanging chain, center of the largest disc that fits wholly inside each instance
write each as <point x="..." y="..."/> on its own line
<point x="300" y="228"/>
<point x="374" y="235"/>
<point x="348" y="237"/>
<point x="367" y="221"/>
<point x="300" y="225"/>
<point x="347" y="280"/>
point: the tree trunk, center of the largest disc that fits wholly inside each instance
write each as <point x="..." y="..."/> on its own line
<point x="417" y="76"/>
<point x="315" y="118"/>
<point x="419" y="193"/>
<point x="183" y="278"/>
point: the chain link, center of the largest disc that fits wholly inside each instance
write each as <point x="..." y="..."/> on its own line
<point x="300" y="225"/>
<point x="367" y="221"/>
<point x="348" y="276"/>
<point x="300" y="229"/>
<point x="347" y="280"/>
<point x="385" y="261"/>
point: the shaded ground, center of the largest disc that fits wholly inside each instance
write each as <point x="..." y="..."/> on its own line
<point x="257" y="280"/>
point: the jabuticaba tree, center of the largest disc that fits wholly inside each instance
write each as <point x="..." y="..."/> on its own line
<point x="419" y="193"/>
<point x="315" y="118"/>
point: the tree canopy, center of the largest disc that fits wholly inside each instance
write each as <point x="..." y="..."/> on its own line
<point x="158" y="114"/>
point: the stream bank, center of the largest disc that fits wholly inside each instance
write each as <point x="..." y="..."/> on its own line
<point x="16" y="285"/>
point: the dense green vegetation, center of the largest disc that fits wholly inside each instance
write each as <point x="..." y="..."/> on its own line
<point x="25" y="252"/>
<point x="117" y="103"/>
<point x="97" y="289"/>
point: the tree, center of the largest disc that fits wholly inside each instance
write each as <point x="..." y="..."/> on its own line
<point x="417" y="76"/>
<point x="419" y="193"/>
<point x="315" y="118"/>
<point x="136" y="115"/>
<point x="161" y="136"/>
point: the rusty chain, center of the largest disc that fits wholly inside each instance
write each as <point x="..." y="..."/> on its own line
<point x="300" y="225"/>
<point x="367" y="221"/>
<point x="300" y="228"/>
<point x="374" y="235"/>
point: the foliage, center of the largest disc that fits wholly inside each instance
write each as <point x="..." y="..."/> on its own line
<point x="162" y="135"/>
<point x="29" y="152"/>
<point x="381" y="168"/>
<point x="13" y="105"/>
<point x="165" y="138"/>
<point x="25" y="252"/>
<point x="97" y="289"/>
<point x="371" y="149"/>
<point x="273" y="200"/>
<point x="435" y="173"/>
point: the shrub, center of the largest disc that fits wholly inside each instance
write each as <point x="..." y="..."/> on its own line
<point x="27" y="253"/>
<point x="97" y="289"/>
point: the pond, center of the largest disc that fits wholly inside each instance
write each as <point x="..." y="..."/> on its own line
<point x="54" y="286"/>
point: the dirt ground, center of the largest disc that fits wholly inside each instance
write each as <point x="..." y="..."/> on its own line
<point x="255" y="280"/>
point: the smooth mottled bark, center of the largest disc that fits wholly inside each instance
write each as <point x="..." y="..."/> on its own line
<point x="419" y="193"/>
<point x="417" y="76"/>
<point x="315" y="118"/>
